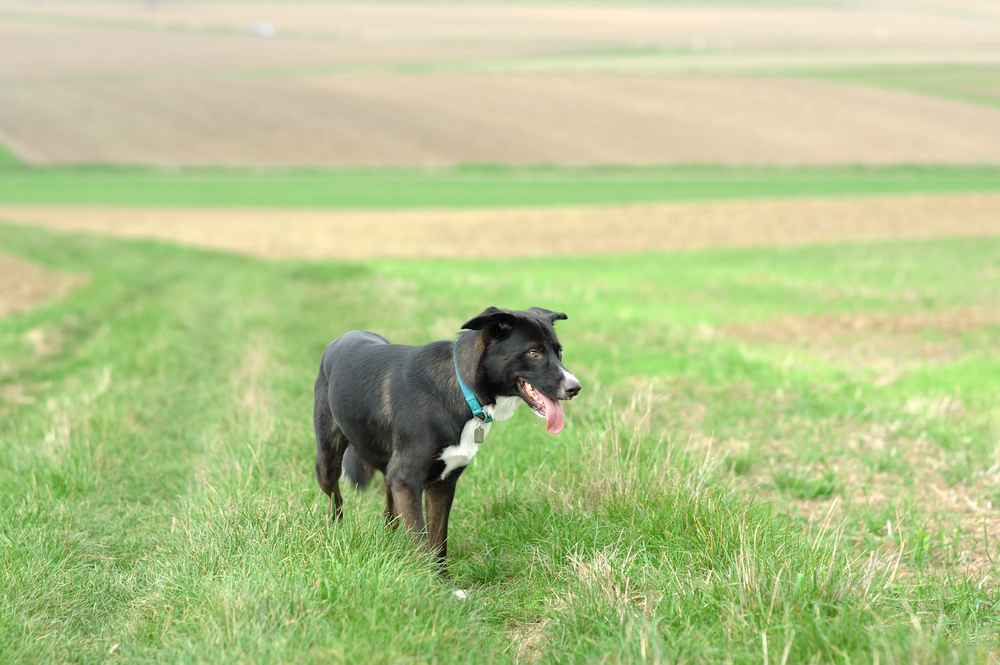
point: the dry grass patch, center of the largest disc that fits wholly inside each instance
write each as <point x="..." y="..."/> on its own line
<point x="829" y="326"/>
<point x="529" y="639"/>
<point x="885" y="344"/>
<point x="24" y="285"/>
<point x="902" y="495"/>
<point x="357" y="235"/>
<point x="889" y="486"/>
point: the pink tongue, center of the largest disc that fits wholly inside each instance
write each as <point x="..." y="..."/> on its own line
<point x="553" y="415"/>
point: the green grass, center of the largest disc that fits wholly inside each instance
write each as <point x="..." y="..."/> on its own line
<point x="159" y="501"/>
<point x="8" y="160"/>
<point x="801" y="486"/>
<point x="470" y="186"/>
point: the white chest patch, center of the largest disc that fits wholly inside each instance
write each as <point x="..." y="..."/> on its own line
<point x="461" y="454"/>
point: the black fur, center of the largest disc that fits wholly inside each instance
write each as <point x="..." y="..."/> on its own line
<point x="394" y="408"/>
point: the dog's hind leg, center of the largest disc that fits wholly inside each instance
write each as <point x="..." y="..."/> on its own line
<point x="390" y="507"/>
<point x="330" y="446"/>
<point x="329" y="454"/>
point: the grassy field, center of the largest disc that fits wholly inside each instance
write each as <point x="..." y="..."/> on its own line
<point x="780" y="455"/>
<point x="159" y="502"/>
<point x="467" y="186"/>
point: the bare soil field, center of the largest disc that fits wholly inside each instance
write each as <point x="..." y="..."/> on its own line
<point x="356" y="235"/>
<point x="194" y="82"/>
<point x="512" y="119"/>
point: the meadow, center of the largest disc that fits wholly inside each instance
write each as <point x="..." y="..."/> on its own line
<point x="773" y="226"/>
<point x="731" y="486"/>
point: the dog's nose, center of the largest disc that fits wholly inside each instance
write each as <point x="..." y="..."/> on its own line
<point x="572" y="386"/>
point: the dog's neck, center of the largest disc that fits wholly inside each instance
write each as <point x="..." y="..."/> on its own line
<point x="504" y="407"/>
<point x="467" y="352"/>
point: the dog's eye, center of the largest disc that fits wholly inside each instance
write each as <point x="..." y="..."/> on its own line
<point x="533" y="353"/>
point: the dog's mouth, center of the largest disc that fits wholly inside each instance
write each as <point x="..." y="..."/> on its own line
<point x="545" y="407"/>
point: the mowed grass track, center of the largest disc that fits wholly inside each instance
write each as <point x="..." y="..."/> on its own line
<point x="159" y="504"/>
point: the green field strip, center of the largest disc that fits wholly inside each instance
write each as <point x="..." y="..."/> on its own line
<point x="472" y="186"/>
<point x="974" y="84"/>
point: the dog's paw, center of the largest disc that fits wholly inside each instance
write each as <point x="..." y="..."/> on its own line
<point x="461" y="594"/>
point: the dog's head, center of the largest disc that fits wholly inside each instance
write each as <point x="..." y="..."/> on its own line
<point x="523" y="357"/>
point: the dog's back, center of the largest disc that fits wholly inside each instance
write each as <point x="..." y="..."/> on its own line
<point x="373" y="392"/>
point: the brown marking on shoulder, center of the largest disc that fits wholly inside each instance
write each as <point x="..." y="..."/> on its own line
<point x="386" y="401"/>
<point x="469" y="357"/>
<point x="443" y="373"/>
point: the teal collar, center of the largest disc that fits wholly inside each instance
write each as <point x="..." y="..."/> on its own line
<point x="470" y="397"/>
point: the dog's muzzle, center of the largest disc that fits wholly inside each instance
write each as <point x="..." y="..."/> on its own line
<point x="570" y="387"/>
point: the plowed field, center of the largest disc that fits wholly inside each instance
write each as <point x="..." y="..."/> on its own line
<point x="196" y="83"/>
<point x="509" y="119"/>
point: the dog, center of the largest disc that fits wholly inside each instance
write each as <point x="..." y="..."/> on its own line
<point x="419" y="413"/>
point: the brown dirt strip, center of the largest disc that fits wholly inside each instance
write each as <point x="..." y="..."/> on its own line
<point x="511" y="119"/>
<point x="824" y="327"/>
<point x="357" y="235"/>
<point x="881" y="346"/>
<point x="24" y="285"/>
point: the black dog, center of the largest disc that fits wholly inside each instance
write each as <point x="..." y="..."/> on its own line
<point x="419" y="413"/>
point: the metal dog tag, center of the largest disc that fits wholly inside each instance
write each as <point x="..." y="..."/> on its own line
<point x="480" y="434"/>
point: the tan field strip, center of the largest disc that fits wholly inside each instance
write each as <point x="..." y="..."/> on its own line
<point x="513" y="119"/>
<point x="885" y="24"/>
<point x="69" y="43"/>
<point x="356" y="235"/>
<point x="59" y="54"/>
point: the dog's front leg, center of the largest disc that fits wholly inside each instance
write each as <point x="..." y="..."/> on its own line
<point x="439" y="500"/>
<point x="406" y="498"/>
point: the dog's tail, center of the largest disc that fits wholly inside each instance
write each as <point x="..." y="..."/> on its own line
<point x="356" y="471"/>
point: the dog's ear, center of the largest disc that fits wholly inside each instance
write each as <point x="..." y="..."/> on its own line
<point x="498" y="321"/>
<point x="548" y="314"/>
